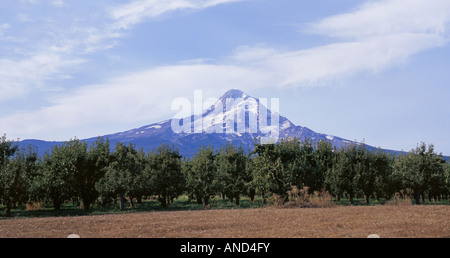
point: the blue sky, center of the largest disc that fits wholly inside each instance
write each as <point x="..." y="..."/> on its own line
<point x="363" y="70"/>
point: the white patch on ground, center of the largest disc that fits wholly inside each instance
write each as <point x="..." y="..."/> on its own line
<point x="154" y="127"/>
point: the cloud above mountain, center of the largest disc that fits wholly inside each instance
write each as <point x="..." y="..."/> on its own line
<point x="139" y="11"/>
<point x="370" y="38"/>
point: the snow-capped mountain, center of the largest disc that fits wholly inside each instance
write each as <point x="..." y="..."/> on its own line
<point x="235" y="117"/>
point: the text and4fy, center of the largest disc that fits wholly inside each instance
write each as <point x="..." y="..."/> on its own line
<point x="228" y="248"/>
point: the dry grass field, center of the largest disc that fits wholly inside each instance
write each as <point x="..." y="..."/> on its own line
<point x="271" y="222"/>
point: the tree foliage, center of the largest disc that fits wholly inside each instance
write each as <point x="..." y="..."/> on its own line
<point x="123" y="177"/>
<point x="422" y="171"/>
<point x="14" y="170"/>
<point x="234" y="178"/>
<point x="95" y="173"/>
<point x="164" y="174"/>
<point x="201" y="175"/>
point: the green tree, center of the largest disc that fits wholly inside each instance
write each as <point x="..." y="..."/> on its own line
<point x="341" y="177"/>
<point x="192" y="188"/>
<point x="383" y="165"/>
<point x="250" y="186"/>
<point x="231" y="164"/>
<point x="202" y="177"/>
<point x="7" y="149"/>
<point x="13" y="184"/>
<point x="323" y="156"/>
<point x="311" y="162"/>
<point x="90" y="168"/>
<point x="365" y="172"/>
<point x="98" y="159"/>
<point x="420" y="170"/>
<point x="447" y="181"/>
<point x="57" y="173"/>
<point x="261" y="176"/>
<point x="83" y="167"/>
<point x="14" y="169"/>
<point x="293" y="160"/>
<point x="273" y="169"/>
<point x="164" y="174"/>
<point x="76" y="164"/>
<point x="333" y="175"/>
<point x="436" y="185"/>
<point x="124" y="176"/>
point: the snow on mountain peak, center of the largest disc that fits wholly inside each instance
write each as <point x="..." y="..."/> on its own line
<point x="234" y="94"/>
<point x="236" y="112"/>
<point x="235" y="117"/>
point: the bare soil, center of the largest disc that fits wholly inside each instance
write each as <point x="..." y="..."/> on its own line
<point x="335" y="222"/>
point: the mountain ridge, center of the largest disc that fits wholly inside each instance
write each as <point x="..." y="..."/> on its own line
<point x="235" y="117"/>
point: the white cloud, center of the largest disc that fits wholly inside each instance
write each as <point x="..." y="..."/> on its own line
<point x="378" y="18"/>
<point x="22" y="17"/>
<point x="333" y="61"/>
<point x="139" y="96"/>
<point x="147" y="95"/>
<point x="374" y="37"/>
<point x="19" y="76"/>
<point x="138" y="11"/>
<point x="58" y="3"/>
<point x="67" y="44"/>
<point x="3" y="28"/>
<point x="29" y="1"/>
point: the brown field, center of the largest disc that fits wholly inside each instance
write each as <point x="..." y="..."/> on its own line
<point x="336" y="222"/>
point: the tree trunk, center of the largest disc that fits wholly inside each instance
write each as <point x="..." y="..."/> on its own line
<point x="252" y="195"/>
<point x="351" y="199"/>
<point x="122" y="202"/>
<point x="417" y="196"/>
<point x="230" y="198"/>
<point x="264" y="199"/>
<point x="86" y="205"/>
<point x="57" y="205"/>
<point x="366" y="199"/>
<point x="163" y="201"/>
<point x="8" y="211"/>
<point x="131" y="201"/>
<point x="206" y="201"/>
<point x="107" y="200"/>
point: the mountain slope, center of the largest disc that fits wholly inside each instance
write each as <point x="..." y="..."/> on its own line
<point x="229" y="119"/>
<point x="235" y="117"/>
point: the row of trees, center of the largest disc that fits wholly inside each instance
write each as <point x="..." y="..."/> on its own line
<point x="77" y="171"/>
<point x="353" y="171"/>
